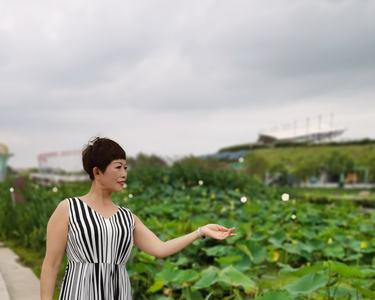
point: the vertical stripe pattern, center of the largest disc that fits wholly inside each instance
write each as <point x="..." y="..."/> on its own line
<point x="97" y="251"/>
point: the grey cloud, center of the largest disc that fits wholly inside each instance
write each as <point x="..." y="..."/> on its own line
<point x="66" y="65"/>
<point x="196" y="56"/>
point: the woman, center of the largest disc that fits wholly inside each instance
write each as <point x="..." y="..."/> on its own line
<point x="98" y="235"/>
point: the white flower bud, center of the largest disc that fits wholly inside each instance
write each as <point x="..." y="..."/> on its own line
<point x="285" y="197"/>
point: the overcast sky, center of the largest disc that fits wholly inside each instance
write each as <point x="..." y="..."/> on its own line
<point x="180" y="77"/>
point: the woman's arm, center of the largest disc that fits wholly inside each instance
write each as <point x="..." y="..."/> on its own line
<point x="148" y="242"/>
<point x="57" y="231"/>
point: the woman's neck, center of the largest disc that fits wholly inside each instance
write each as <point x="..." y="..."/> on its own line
<point x="99" y="195"/>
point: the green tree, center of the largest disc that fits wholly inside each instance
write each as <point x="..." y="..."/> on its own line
<point x="371" y="167"/>
<point x="144" y="160"/>
<point x="338" y="163"/>
<point x="280" y="171"/>
<point x="256" y="165"/>
<point x="307" y="167"/>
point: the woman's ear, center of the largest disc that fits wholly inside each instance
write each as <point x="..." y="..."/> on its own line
<point x="96" y="171"/>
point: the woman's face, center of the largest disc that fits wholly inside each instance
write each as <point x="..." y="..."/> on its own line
<point x="114" y="176"/>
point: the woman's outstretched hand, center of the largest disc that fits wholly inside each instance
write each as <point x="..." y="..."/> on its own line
<point x="217" y="231"/>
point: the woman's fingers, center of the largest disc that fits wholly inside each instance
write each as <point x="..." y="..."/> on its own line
<point x="225" y="229"/>
<point x="222" y="232"/>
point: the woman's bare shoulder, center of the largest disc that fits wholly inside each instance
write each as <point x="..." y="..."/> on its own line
<point x="63" y="204"/>
<point x="62" y="210"/>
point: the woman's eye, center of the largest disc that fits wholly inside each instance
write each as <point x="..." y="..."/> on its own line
<point x="120" y="168"/>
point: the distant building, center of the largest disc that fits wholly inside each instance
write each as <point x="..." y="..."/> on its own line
<point x="65" y="161"/>
<point x="59" y="167"/>
<point x="310" y="132"/>
<point x="4" y="156"/>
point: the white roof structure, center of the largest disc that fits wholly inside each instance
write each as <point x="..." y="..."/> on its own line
<point x="312" y="134"/>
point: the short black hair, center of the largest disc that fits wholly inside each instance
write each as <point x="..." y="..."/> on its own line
<point x="100" y="152"/>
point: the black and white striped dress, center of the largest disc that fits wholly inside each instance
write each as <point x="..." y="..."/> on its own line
<point x="97" y="251"/>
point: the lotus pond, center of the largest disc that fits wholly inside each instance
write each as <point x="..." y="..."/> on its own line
<point x="290" y="249"/>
